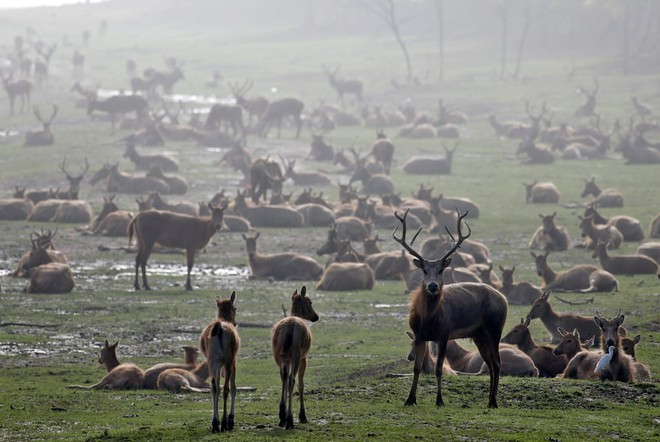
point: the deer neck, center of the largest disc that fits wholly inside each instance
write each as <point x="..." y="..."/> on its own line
<point x="202" y="371"/>
<point x="549" y="275"/>
<point x="549" y="318"/>
<point x="527" y="343"/>
<point x="111" y="362"/>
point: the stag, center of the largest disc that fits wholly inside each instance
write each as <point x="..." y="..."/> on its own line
<point x="255" y="107"/>
<point x="171" y="230"/>
<point x="343" y="86"/>
<point x="320" y="149"/>
<point x="74" y="181"/>
<point x="438" y="313"/>
<point x="278" y="111"/>
<point x="19" y="88"/>
<point x="587" y="109"/>
<point x="265" y="174"/>
<point x="119" y="105"/>
<point x="43" y="137"/>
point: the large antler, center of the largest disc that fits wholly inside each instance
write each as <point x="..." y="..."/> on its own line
<point x="402" y="239"/>
<point x="461" y="237"/>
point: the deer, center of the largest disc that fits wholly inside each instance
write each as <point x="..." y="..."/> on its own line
<point x="514" y="361"/>
<point x="280" y="266"/>
<point x="220" y="343"/>
<point x="146" y="162"/>
<point x="15" y="209"/>
<point x="255" y="106"/>
<point x="74" y="181"/>
<point x="650" y="249"/>
<point x="602" y="198"/>
<point x="549" y="364"/>
<point x="341" y="86"/>
<point x="509" y="129"/>
<point x="534" y="153"/>
<point x="635" y="264"/>
<point x="305" y="178"/>
<point x="43" y="137"/>
<point x="121" y="182"/>
<point x="592" y="233"/>
<point x="383" y="150"/>
<point x="171" y="230"/>
<point x="541" y="193"/>
<point x="346" y="276"/>
<point x="42" y="252"/>
<point x="120" y="376"/>
<point x="581" y="361"/>
<point x="550" y="236"/>
<point x="438" y="313"/>
<point x="316" y="215"/>
<point x="181" y="379"/>
<point x="276" y="112"/>
<point x="630" y="227"/>
<point x="553" y="321"/>
<point x="265" y="174"/>
<point x="168" y="79"/>
<point x="389" y="265"/>
<point x="621" y="367"/>
<point x="152" y="374"/>
<point x="372" y="183"/>
<point x="320" y="149"/>
<point x="176" y="183"/>
<point x="111" y="221"/>
<point x="19" y="88"/>
<point x="518" y="293"/>
<point x="654" y="227"/>
<point x="119" y="105"/>
<point x="267" y="215"/>
<point x="231" y="114"/>
<point x="291" y="339"/>
<point x="54" y="277"/>
<point x="421" y="165"/>
<point x="587" y="109"/>
<point x="184" y="207"/>
<point x="582" y="278"/>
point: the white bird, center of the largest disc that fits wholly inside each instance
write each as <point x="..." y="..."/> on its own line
<point x="604" y="360"/>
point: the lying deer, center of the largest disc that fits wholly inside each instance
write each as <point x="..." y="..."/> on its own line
<point x="624" y="264"/>
<point x="621" y="366"/>
<point x="604" y="198"/>
<point x="43" y="137"/>
<point x="344" y="276"/>
<point x="151" y="374"/>
<point x="171" y="230"/>
<point x="518" y="293"/>
<point x="180" y="379"/>
<point x="291" y="340"/>
<point x="549" y="365"/>
<point x="581" y="361"/>
<point x="630" y="227"/>
<point x="550" y="236"/>
<point x="592" y="233"/>
<point x="120" y="376"/>
<point x="514" y="361"/>
<point x="583" y="278"/>
<point x="111" y="221"/>
<point x="280" y="266"/>
<point x="146" y="162"/>
<point x="541" y="193"/>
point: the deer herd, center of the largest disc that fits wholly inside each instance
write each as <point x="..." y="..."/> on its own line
<point x="454" y="292"/>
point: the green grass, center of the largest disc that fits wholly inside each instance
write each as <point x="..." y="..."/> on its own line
<point x="360" y="336"/>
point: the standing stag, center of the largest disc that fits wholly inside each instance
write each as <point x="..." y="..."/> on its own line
<point x="438" y="313"/>
<point x="255" y="106"/>
<point x="43" y="137"/>
<point x="291" y="340"/>
<point x="276" y="112"/>
<point x="343" y="86"/>
<point x="171" y="230"/>
<point x="19" y="88"/>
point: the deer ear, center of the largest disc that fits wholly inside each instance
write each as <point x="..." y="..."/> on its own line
<point x="527" y="321"/>
<point x="417" y="263"/>
<point x="637" y="338"/>
<point x="106" y="344"/>
<point x="303" y="291"/>
<point x="411" y="335"/>
<point x="561" y="331"/>
<point x="620" y="320"/>
<point x="232" y="298"/>
<point x="294" y="294"/>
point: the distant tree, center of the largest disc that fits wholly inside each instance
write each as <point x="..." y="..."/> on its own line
<point x="439" y="7"/>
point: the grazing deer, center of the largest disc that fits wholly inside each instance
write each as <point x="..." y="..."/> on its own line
<point x="146" y="162"/>
<point x="291" y="340"/>
<point x="431" y="165"/>
<point x="541" y="193"/>
<point x="220" y="343"/>
<point x="549" y="364"/>
<point x="276" y="112"/>
<point x="43" y="137"/>
<point x="438" y="313"/>
<point x="19" y="88"/>
<point x="550" y="236"/>
<point x="621" y="366"/>
<point x="514" y="361"/>
<point x="583" y="278"/>
<point x="119" y="105"/>
<point x="630" y="227"/>
<point x="342" y="86"/>
<point x="185" y="208"/>
<point x="171" y="230"/>
<point x="267" y="215"/>
<point x="152" y="374"/>
<point x="553" y="321"/>
<point x="305" y="178"/>
<point x="346" y="276"/>
<point x="233" y="115"/>
<point x="624" y="264"/>
<point x="592" y="233"/>
<point x="587" y="109"/>
<point x="111" y="221"/>
<point x="255" y="106"/>
<point x="120" y="376"/>
<point x="383" y="150"/>
<point x="280" y="266"/>
<point x="518" y="293"/>
<point x="604" y="198"/>
<point x="15" y="209"/>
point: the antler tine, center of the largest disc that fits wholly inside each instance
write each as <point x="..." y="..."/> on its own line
<point x="52" y="117"/>
<point x="461" y="237"/>
<point x="63" y="168"/>
<point x="402" y="239"/>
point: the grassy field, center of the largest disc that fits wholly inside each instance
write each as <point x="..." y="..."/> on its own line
<point x="50" y="341"/>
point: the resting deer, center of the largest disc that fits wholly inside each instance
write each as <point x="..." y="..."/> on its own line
<point x="583" y="278"/>
<point x="550" y="236"/>
<point x="151" y="374"/>
<point x="621" y="366"/>
<point x="119" y="105"/>
<point x="581" y="361"/>
<point x="514" y="361"/>
<point x="180" y="379"/>
<point x="305" y="178"/>
<point x="431" y="165"/>
<point x="624" y="264"/>
<point x="15" y="209"/>
<point x="120" y="376"/>
<point x="438" y="313"/>
<point x="54" y="277"/>
<point x="280" y="266"/>
<point x="220" y="342"/>
<point x="592" y="233"/>
<point x="587" y="109"/>
<point x="176" y="183"/>
<point x="121" y="182"/>
<point x="549" y="364"/>
<point x="184" y="207"/>
<point x="518" y="293"/>
<point x="43" y="137"/>
<point x="630" y="227"/>
<point x="541" y="193"/>
<point x="146" y="162"/>
<point x="654" y="227"/>
<point x="268" y="215"/>
<point x="171" y="230"/>
<point x="345" y="276"/>
<point x="291" y="340"/>
<point x="553" y="321"/>
<point x="74" y="181"/>
<point x="602" y="198"/>
<point x="42" y="252"/>
<point x="111" y="221"/>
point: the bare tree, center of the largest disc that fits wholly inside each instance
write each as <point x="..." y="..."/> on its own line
<point x="439" y="8"/>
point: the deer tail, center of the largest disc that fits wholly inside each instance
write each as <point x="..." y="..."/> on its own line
<point x="130" y="229"/>
<point x="217" y="332"/>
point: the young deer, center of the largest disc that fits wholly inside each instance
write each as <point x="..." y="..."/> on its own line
<point x="581" y="361"/>
<point x="291" y="340"/>
<point x="518" y="293"/>
<point x="438" y="313"/>
<point x="171" y="230"/>
<point x="151" y="374"/>
<point x="120" y="376"/>
<point x="620" y="366"/>
<point x="554" y="321"/>
<point x="220" y="343"/>
<point x="43" y="137"/>
<point x="583" y="278"/>
<point x="624" y="264"/>
<point x="550" y="236"/>
<point x="604" y="198"/>
<point x="280" y="266"/>
<point x="592" y="233"/>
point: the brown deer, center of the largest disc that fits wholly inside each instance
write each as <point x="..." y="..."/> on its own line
<point x="71" y="212"/>
<point x="383" y="150"/>
<point x="583" y="278"/>
<point x="532" y="152"/>
<point x="220" y="343"/>
<point x="42" y="252"/>
<point x="541" y="193"/>
<point x="305" y="178"/>
<point x="151" y="374"/>
<point x="550" y="236"/>
<point x="549" y="364"/>
<point x="514" y="361"/>
<point x="341" y="86"/>
<point x="630" y="227"/>
<point x="111" y="221"/>
<point x="180" y="379"/>
<point x="553" y="321"/>
<point x="176" y="183"/>
<point x="276" y="112"/>
<point x="581" y="361"/>
<point x="255" y="106"/>
<point x="316" y="215"/>
<point x="518" y="293"/>
<point x="280" y="266"/>
<point x="15" y="209"/>
<point x="372" y="183"/>
<point x="267" y="215"/>
<point x="389" y="265"/>
<point x="654" y="227"/>
<point x="587" y="108"/>
<point x="592" y="233"/>
<point x="119" y="105"/>
<point x="346" y="276"/>
<point x="231" y="114"/>
<point x="650" y="249"/>
<point x="428" y="366"/>
<point x="320" y="149"/>
<point x="43" y="137"/>
<point x="291" y="340"/>
<point x="621" y="366"/>
<point x="624" y="264"/>
<point x="431" y="165"/>
<point x="74" y="181"/>
<point x="184" y="207"/>
<point x="438" y="313"/>
<point x="171" y="230"/>
<point x="146" y="162"/>
<point x="120" y="376"/>
<point x="54" y="277"/>
<point x="19" y="88"/>
<point x="122" y="182"/>
<point x="265" y="174"/>
<point x="602" y="198"/>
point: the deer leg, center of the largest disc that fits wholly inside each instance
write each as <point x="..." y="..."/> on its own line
<point x="420" y="353"/>
<point x="215" y="424"/>
<point x="136" y="284"/>
<point x="298" y="126"/>
<point x="230" y="420"/>
<point x="284" y="376"/>
<point x="489" y="350"/>
<point x="190" y="258"/>
<point x="225" y="394"/>
<point x="442" y="348"/>
<point x="290" y="386"/>
<point x="302" y="416"/>
<point x="144" y="256"/>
